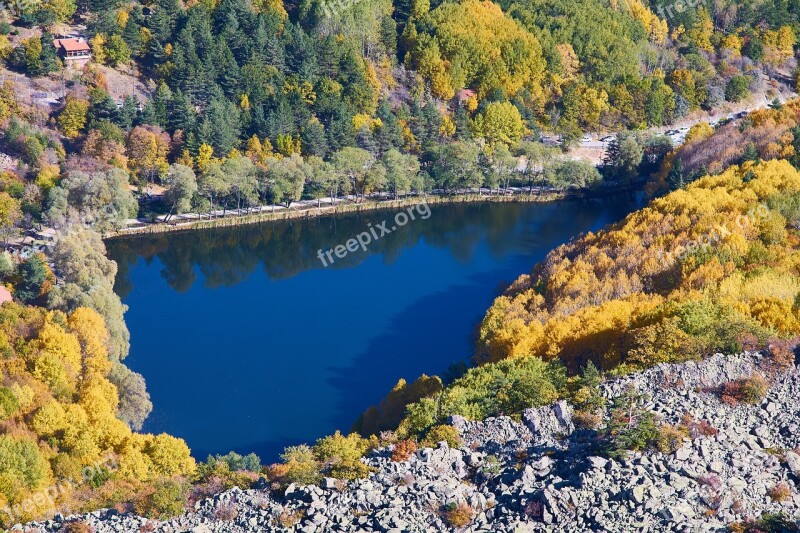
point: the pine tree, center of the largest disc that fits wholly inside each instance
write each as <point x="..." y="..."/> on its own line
<point x="675" y="177"/>
<point x="463" y="132"/>
<point x="313" y="139"/>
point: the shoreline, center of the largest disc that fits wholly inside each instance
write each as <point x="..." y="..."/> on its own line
<point x="293" y="213"/>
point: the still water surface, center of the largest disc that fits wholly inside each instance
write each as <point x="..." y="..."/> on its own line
<point x="248" y="343"/>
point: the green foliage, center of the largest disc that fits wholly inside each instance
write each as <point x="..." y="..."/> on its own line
<point x="22" y="466"/>
<point x="301" y="465"/>
<point x="167" y="499"/>
<point x="33" y="278"/>
<point x="508" y="387"/>
<point x="9" y="404"/>
<point x="440" y="433"/>
<point x="234" y="461"/>
<point x="389" y="413"/>
<point x="340" y="455"/>
<point x="737" y="88"/>
<point x="631" y="427"/>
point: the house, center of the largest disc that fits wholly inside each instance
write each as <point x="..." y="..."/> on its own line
<point x="464" y="95"/>
<point x="75" y="51"/>
<point x="5" y="295"/>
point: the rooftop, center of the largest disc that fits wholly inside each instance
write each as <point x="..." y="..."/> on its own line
<point x="72" y="44"/>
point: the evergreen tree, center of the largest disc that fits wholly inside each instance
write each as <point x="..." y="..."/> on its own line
<point x="675" y="177"/>
<point x="463" y="131"/>
<point x="313" y="139"/>
<point x="32" y="274"/>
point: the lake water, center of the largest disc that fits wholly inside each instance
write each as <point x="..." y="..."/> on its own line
<point x="248" y="343"/>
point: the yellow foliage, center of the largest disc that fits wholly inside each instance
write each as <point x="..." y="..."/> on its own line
<point x="170" y="456"/>
<point x="616" y="296"/>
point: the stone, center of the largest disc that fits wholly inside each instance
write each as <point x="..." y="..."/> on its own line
<point x="597" y="462"/>
<point x="683" y="454"/>
<point x="793" y="462"/>
<point x="637" y="493"/>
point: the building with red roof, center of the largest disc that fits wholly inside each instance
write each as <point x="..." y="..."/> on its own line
<point x="75" y="51"/>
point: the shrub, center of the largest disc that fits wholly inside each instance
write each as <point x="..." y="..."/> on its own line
<point x="712" y="481"/>
<point x="534" y="510"/>
<point x="780" y="492"/>
<point x="226" y="512"/>
<point x="341" y="456"/>
<point x="698" y="428"/>
<point x="459" y="515"/>
<point x="166" y="500"/>
<point x="587" y="420"/>
<point x="446" y="433"/>
<point x="299" y="466"/>
<point x="403" y="450"/>
<point x="737" y="88"/>
<point x="77" y="527"/>
<point x="249" y="462"/>
<point x="748" y="390"/>
<point x="782" y="352"/>
<point x="767" y="523"/>
<point x="287" y="519"/>
<point x="670" y="438"/>
<point x="631" y="427"/>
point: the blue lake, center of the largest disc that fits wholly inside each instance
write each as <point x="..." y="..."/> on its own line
<point x="248" y="343"/>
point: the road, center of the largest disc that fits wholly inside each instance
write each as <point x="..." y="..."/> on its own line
<point x="593" y="145"/>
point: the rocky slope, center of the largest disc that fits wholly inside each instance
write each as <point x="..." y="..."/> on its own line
<point x="541" y="474"/>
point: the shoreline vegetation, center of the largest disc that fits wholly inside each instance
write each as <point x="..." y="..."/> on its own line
<point x="308" y="211"/>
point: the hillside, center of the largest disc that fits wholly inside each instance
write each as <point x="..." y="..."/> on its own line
<point x="722" y="464"/>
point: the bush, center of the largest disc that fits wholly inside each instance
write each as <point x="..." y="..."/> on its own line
<point x="782" y="352"/>
<point x="446" y="433"/>
<point x="249" y="462"/>
<point x="403" y="450"/>
<point x="712" y="481"/>
<point x="166" y="500"/>
<point x="780" y="492"/>
<point x="748" y="390"/>
<point x="459" y="515"/>
<point x="226" y="512"/>
<point x="341" y="456"/>
<point x="698" y="428"/>
<point x="289" y="519"/>
<point x="299" y="466"/>
<point x="587" y="420"/>
<point x="631" y="427"/>
<point x="77" y="527"/>
<point x="670" y="438"/>
<point x="767" y="523"/>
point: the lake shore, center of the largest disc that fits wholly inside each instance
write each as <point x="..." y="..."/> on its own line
<point x="305" y="210"/>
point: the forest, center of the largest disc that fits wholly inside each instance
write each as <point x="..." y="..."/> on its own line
<point x="256" y="101"/>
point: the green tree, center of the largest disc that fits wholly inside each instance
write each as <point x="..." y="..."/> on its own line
<point x="401" y="171"/>
<point x="117" y="51"/>
<point x="32" y="275"/>
<point x="737" y="88"/>
<point x="181" y="188"/>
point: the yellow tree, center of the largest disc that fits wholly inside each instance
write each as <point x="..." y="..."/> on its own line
<point x="148" y="147"/>
<point x="500" y="122"/>
<point x="72" y="118"/>
<point x="10" y="214"/>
